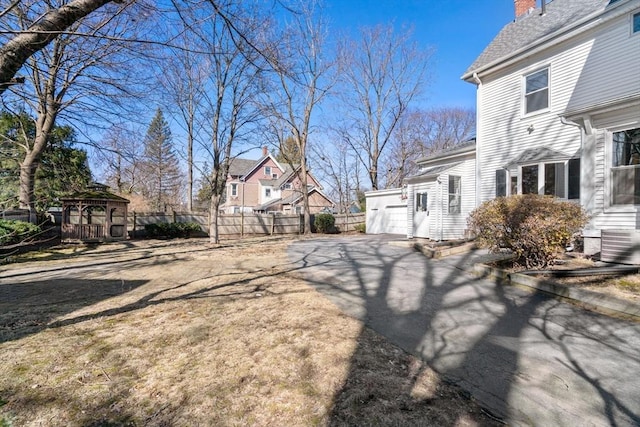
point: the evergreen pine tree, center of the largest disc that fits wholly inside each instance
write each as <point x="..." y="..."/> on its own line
<point x="162" y="170"/>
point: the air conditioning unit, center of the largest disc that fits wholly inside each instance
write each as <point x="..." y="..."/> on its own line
<point x="620" y="246"/>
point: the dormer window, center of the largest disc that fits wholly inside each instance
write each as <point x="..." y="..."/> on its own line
<point x="267" y="170"/>
<point x="536" y="95"/>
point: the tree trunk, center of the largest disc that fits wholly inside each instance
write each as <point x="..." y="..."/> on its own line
<point x="27" y="183"/>
<point x="214" y="206"/>
<point x="305" y="195"/>
<point x="15" y="53"/>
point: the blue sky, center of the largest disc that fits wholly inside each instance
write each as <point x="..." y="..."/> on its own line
<point x="458" y="30"/>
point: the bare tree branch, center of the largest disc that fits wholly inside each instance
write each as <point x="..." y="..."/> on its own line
<point x="16" y="52"/>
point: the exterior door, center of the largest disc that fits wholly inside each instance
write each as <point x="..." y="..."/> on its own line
<point x="421" y="215"/>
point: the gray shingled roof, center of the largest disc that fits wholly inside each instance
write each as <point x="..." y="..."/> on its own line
<point x="455" y="149"/>
<point x="530" y="28"/>
<point x="239" y="167"/>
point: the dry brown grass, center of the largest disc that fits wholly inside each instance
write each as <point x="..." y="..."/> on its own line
<point x="183" y="334"/>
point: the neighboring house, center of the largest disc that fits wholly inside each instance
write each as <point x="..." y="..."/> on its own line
<point x="265" y="185"/>
<point x="558" y="105"/>
<point x="442" y="194"/>
<point x="434" y="203"/>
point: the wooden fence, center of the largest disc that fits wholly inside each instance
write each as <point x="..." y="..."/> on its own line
<point x="348" y="222"/>
<point x="239" y="224"/>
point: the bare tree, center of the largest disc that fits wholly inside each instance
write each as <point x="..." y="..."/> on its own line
<point x="421" y="133"/>
<point x="339" y="169"/>
<point x="382" y="73"/>
<point x="224" y="100"/>
<point x="40" y="33"/>
<point x="301" y="79"/>
<point x="184" y="78"/>
<point x="121" y="158"/>
<point x="69" y="74"/>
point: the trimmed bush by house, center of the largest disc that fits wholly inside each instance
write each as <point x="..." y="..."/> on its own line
<point x="171" y="230"/>
<point x="535" y="228"/>
<point x="325" y="223"/>
<point x="16" y="231"/>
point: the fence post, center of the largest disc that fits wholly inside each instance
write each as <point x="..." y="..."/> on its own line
<point x="174" y="217"/>
<point x="242" y="222"/>
<point x="134" y="225"/>
<point x="273" y="224"/>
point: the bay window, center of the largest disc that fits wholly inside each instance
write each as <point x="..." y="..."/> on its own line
<point x="560" y="179"/>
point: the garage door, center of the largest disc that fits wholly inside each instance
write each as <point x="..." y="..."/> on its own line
<point x="395" y="220"/>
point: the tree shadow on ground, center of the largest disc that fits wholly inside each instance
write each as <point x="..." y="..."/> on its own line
<point x="28" y="308"/>
<point x="472" y="331"/>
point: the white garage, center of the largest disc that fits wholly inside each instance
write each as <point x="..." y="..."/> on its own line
<point x="386" y="212"/>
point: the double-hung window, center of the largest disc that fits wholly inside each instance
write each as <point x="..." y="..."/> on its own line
<point x="625" y="168"/>
<point x="635" y="23"/>
<point x="234" y="190"/>
<point x="267" y="192"/>
<point x="454" y="194"/>
<point x="267" y="170"/>
<point x="536" y="94"/>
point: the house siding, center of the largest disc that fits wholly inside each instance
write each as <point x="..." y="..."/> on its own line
<point x="594" y="80"/>
<point x="454" y="226"/>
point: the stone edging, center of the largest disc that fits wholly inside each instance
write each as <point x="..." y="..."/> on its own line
<point x="593" y="300"/>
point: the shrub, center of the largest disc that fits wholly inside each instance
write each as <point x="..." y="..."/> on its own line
<point x="325" y="223"/>
<point x="360" y="228"/>
<point x="16" y="231"/>
<point x="171" y="230"/>
<point x="535" y="228"/>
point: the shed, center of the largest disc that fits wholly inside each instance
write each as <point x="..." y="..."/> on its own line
<point x="94" y="215"/>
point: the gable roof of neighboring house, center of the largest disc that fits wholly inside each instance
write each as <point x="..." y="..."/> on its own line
<point x="295" y="197"/>
<point x="243" y="167"/>
<point x="534" y="29"/>
<point x="240" y="167"/>
<point x="259" y="163"/>
<point x="291" y="199"/>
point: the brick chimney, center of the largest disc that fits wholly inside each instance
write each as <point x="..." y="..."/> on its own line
<point x="523" y="6"/>
<point x="265" y="151"/>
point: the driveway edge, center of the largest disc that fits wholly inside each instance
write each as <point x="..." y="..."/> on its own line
<point x="595" y="301"/>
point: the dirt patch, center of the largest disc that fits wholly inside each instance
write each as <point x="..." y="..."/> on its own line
<point x="159" y="333"/>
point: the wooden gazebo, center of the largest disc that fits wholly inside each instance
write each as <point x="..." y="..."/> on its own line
<point x="94" y="215"/>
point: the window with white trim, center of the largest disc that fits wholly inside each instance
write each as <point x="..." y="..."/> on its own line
<point x="625" y="168"/>
<point x="559" y="179"/>
<point x="455" y="189"/>
<point x="267" y="170"/>
<point x="635" y="23"/>
<point x="501" y="182"/>
<point x="234" y="190"/>
<point x="536" y="93"/>
<point x="267" y="192"/>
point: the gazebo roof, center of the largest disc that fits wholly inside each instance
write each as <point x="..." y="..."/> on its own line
<point x="95" y="192"/>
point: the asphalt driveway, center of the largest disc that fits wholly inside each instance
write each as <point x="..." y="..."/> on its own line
<point x="528" y="358"/>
